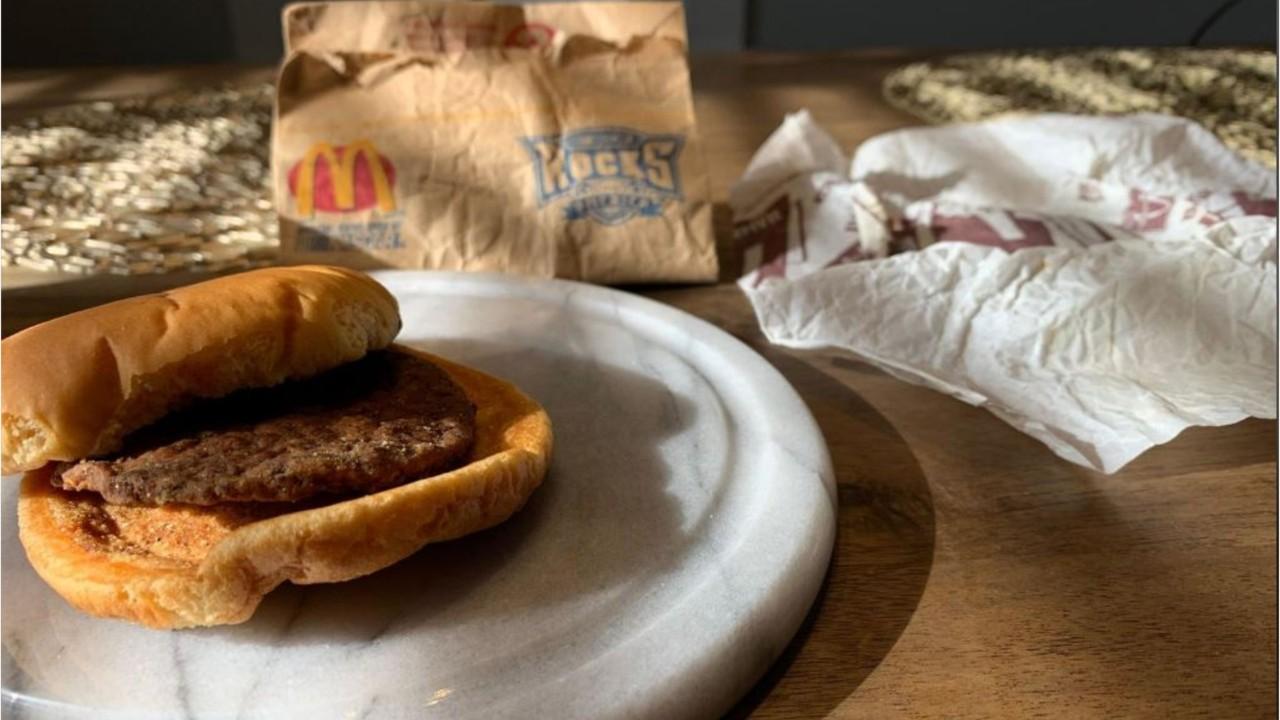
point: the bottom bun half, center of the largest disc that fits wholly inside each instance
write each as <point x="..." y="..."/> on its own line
<point x="184" y="566"/>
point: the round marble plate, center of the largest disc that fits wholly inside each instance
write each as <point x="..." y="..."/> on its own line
<point x="678" y="541"/>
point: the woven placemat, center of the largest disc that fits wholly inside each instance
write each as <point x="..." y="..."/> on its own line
<point x="173" y="182"/>
<point x="1230" y="92"/>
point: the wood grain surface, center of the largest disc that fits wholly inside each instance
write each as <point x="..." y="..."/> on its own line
<point x="976" y="575"/>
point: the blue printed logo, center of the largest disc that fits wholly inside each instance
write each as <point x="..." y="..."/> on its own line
<point x="608" y="174"/>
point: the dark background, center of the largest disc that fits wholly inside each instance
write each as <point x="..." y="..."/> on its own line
<point x="44" y="33"/>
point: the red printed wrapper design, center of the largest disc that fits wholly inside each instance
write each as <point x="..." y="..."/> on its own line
<point x="836" y="213"/>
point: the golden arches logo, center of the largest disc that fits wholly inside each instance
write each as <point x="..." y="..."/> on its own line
<point x="332" y="179"/>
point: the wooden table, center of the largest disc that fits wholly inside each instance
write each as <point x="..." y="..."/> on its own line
<point x="975" y="574"/>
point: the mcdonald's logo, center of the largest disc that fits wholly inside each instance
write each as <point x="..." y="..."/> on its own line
<point x="340" y="179"/>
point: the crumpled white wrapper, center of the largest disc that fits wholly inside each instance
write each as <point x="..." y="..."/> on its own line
<point x="1098" y="283"/>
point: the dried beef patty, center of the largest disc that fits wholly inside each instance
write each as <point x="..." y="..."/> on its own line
<point x="370" y="425"/>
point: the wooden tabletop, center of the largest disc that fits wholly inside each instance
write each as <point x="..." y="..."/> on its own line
<point x="975" y="575"/>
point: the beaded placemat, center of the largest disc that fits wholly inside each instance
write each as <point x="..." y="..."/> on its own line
<point x="1230" y="92"/>
<point x="179" y="181"/>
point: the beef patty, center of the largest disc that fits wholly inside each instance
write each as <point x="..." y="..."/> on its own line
<point x="373" y="424"/>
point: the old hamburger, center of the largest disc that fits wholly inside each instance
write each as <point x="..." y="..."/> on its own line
<point x="187" y="452"/>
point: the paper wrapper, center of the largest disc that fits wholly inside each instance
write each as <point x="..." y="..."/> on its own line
<point x="1100" y="284"/>
<point x="553" y="140"/>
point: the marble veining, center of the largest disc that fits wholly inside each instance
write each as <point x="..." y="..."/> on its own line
<point x="681" y="536"/>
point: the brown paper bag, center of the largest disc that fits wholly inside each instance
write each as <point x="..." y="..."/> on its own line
<point x="554" y="140"/>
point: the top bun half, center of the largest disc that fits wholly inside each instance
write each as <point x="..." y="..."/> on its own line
<point x="75" y="386"/>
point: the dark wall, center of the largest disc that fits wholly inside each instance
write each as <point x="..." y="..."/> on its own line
<point x="43" y="33"/>
<point x="118" y="32"/>
<point x="827" y="25"/>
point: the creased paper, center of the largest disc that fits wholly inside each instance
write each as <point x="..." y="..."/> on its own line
<point x="550" y="139"/>
<point x="1099" y="283"/>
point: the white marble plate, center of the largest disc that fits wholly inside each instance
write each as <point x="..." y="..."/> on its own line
<point x="681" y="535"/>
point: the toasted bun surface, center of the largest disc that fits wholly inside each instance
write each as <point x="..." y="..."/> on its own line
<point x="75" y="386"/>
<point x="183" y="566"/>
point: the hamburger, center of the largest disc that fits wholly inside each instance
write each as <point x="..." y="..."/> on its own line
<point x="187" y="452"/>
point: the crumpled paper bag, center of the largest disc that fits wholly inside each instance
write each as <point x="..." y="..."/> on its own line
<point x="549" y="139"/>
<point x="1098" y="283"/>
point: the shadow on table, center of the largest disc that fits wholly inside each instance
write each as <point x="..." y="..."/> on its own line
<point x="882" y="558"/>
